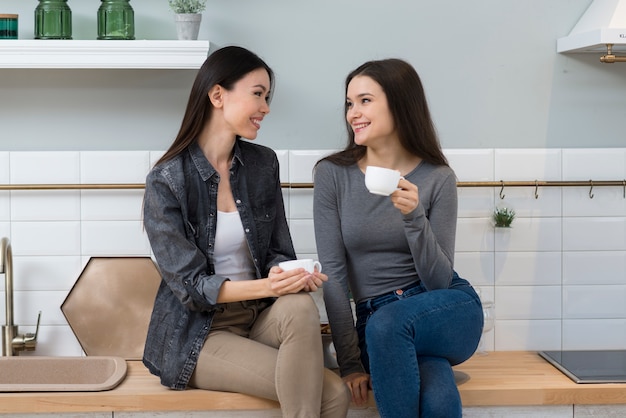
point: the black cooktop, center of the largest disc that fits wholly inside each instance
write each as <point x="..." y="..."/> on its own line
<point x="606" y="366"/>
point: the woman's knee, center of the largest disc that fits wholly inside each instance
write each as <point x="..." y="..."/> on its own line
<point x="299" y="307"/>
<point x="335" y="395"/>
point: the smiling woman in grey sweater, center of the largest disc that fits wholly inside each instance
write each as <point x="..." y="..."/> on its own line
<point x="395" y="255"/>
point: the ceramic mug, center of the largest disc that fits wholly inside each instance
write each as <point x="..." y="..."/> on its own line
<point x="381" y="181"/>
<point x="306" y="263"/>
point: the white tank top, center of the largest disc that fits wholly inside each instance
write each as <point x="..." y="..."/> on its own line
<point x="232" y="256"/>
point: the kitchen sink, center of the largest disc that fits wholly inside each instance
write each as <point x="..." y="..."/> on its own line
<point x="61" y="374"/>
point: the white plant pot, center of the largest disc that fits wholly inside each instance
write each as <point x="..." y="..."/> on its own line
<point x="188" y="25"/>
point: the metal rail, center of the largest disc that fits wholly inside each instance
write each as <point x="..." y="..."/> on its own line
<point x="501" y="183"/>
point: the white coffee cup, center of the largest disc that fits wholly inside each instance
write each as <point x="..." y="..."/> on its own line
<point x="381" y="181"/>
<point x="306" y="263"/>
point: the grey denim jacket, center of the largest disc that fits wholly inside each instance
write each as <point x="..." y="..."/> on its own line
<point x="180" y="214"/>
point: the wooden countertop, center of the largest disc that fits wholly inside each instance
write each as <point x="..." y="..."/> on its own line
<point x="499" y="378"/>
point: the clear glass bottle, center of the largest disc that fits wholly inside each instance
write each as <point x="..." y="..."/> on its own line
<point x="53" y="20"/>
<point x="116" y="20"/>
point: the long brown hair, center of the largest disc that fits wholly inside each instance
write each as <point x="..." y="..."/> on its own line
<point x="408" y="107"/>
<point x="225" y="67"/>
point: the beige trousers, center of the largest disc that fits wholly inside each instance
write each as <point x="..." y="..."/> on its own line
<point x="272" y="352"/>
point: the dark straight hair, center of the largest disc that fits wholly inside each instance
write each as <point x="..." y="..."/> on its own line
<point x="408" y="107"/>
<point x="224" y="67"/>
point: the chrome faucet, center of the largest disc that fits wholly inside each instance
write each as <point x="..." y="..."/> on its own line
<point x="12" y="341"/>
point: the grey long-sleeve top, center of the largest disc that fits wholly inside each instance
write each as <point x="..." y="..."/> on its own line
<point x="369" y="248"/>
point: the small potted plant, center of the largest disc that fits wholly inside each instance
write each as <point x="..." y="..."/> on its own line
<point x="503" y="217"/>
<point x="188" y="17"/>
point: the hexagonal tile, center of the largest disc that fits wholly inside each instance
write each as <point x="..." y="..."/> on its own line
<point x="110" y="304"/>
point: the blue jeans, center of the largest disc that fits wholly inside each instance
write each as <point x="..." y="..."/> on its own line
<point x="409" y="341"/>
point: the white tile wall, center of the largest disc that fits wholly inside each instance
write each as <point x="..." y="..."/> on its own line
<point x="558" y="276"/>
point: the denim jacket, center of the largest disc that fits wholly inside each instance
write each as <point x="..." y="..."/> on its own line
<point x="180" y="215"/>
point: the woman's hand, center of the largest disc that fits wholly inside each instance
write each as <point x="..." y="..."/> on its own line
<point x="406" y="197"/>
<point x="293" y="281"/>
<point x="359" y="384"/>
<point x="316" y="281"/>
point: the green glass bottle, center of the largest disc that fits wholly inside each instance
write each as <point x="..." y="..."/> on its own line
<point x="53" y="20"/>
<point x="116" y="20"/>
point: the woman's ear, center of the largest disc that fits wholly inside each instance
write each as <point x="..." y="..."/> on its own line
<point x="216" y="96"/>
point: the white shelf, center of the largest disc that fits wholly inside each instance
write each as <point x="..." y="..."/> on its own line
<point x="140" y="54"/>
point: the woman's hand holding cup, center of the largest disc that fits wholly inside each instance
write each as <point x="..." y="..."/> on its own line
<point x="310" y="268"/>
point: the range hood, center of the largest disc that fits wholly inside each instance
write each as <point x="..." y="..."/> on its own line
<point x="601" y="29"/>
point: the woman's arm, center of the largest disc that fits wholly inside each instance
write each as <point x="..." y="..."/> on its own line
<point x="331" y="252"/>
<point x="181" y="263"/>
<point x="432" y="238"/>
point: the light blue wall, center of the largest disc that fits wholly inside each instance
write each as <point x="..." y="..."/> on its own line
<point x="490" y="69"/>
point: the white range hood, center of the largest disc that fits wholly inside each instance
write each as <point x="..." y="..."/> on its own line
<point x="602" y="24"/>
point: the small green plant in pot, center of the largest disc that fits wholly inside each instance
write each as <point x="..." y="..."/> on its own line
<point x="187" y="6"/>
<point x="503" y="217"/>
<point x="188" y="17"/>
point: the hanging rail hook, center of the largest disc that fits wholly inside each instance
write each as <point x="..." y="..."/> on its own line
<point x="590" y="189"/>
<point x="536" y="189"/>
<point x="502" y="189"/>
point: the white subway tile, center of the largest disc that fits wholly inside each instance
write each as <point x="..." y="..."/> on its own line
<point x="471" y="164"/>
<point x="301" y="164"/>
<point x="594" y="301"/>
<point x="519" y="268"/>
<point x="5" y="229"/>
<point x="527" y="164"/>
<point x="111" y="205"/>
<point x="527" y="268"/>
<point x="45" y="205"/>
<point x="486" y="293"/>
<point x="594" y="234"/>
<point x="522" y="200"/>
<point x="45" y="272"/>
<point x="154" y="157"/>
<point x="286" y="202"/>
<point x="45" y="167"/>
<point x="283" y="162"/>
<point x="27" y="304"/>
<point x="487" y="342"/>
<point x="532" y="335"/>
<point x="5" y="206"/>
<point x="45" y="238"/>
<point x="114" y="238"/>
<point x="114" y="166"/>
<point x="594" y="334"/>
<point x="476" y="267"/>
<point x="475" y="202"/>
<point x="530" y="234"/>
<point x="528" y="302"/>
<point x="4" y="167"/>
<point x="474" y="235"/>
<point x="5" y="196"/>
<point x="55" y="341"/>
<point x="594" y="164"/>
<point x="303" y="235"/>
<point x="606" y="201"/>
<point x="594" y="267"/>
<point x="301" y="204"/>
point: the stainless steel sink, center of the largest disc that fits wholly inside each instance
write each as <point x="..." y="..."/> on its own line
<point x="61" y="374"/>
